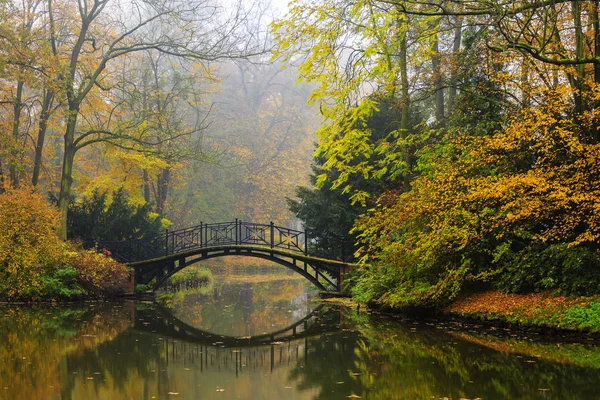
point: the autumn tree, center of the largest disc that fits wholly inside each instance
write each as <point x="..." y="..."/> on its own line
<point x="98" y="35"/>
<point x="260" y="135"/>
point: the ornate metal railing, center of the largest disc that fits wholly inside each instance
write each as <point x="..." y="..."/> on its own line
<point x="207" y="235"/>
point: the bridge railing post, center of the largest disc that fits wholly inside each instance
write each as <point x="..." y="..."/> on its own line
<point x="272" y="235"/>
<point x="173" y="242"/>
<point x="167" y="242"/>
<point x="201" y="223"/>
<point x="305" y="242"/>
<point x="236" y="232"/>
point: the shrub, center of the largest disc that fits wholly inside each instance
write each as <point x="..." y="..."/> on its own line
<point x="28" y="242"/>
<point x="572" y="270"/>
<point x="35" y="264"/>
<point x="96" y="218"/>
<point x="62" y="283"/>
<point x="98" y="274"/>
<point x="517" y="209"/>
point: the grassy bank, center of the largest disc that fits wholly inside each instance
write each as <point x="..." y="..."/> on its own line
<point x="541" y="310"/>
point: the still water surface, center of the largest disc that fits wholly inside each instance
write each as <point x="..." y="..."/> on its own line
<point x="255" y="338"/>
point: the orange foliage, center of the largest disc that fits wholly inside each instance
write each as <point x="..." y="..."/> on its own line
<point x="31" y="254"/>
<point x="491" y="204"/>
<point x="99" y="275"/>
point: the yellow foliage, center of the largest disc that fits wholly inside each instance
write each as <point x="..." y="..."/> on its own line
<point x="28" y="239"/>
<point x="31" y="253"/>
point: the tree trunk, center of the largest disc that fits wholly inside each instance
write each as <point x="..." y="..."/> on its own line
<point x="2" y="187"/>
<point x="580" y="68"/>
<point x="596" y="25"/>
<point x="438" y="81"/>
<point x="66" y="179"/>
<point x="405" y="104"/>
<point x="525" y="95"/>
<point x="17" y="107"/>
<point x="454" y="70"/>
<point x="164" y="180"/>
<point x="43" y="126"/>
<point x="146" y="187"/>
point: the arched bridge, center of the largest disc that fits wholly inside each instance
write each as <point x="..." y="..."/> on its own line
<point x="156" y="259"/>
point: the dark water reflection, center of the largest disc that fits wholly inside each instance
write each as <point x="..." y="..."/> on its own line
<point x="204" y="349"/>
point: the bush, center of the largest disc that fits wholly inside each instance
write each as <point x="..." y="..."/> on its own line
<point x="517" y="209"/>
<point x="98" y="274"/>
<point x="571" y="270"/>
<point x="35" y="264"/>
<point x="98" y="217"/>
<point x="28" y="242"/>
<point x="61" y="284"/>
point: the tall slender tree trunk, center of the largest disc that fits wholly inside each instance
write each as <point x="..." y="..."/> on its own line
<point x="162" y="190"/>
<point x="580" y="68"/>
<point x="596" y="25"/>
<point x="453" y="90"/>
<point x="2" y="183"/>
<point x="146" y="186"/>
<point x="525" y="95"/>
<point x="405" y="101"/>
<point x="438" y="80"/>
<point x="17" y="108"/>
<point x="42" y="128"/>
<point x="66" y="179"/>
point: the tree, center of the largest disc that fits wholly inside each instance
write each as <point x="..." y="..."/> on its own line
<point x="98" y="217"/>
<point x="260" y="134"/>
<point x="328" y="213"/>
<point x="99" y="36"/>
<point x="350" y="51"/>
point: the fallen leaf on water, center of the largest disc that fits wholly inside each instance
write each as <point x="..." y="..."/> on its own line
<point x="173" y="393"/>
<point x="220" y="390"/>
<point x="339" y="383"/>
<point x="353" y="396"/>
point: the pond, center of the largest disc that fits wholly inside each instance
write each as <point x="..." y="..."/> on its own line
<point x="262" y="335"/>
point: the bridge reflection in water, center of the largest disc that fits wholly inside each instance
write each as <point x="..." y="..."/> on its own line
<point x="186" y="344"/>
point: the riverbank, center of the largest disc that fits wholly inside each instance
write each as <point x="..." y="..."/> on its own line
<point x="545" y="312"/>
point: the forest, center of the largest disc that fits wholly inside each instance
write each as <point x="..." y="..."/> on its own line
<point x="457" y="142"/>
<point x="122" y="119"/>
<point x="459" y="148"/>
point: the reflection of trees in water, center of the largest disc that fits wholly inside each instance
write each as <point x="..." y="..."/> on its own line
<point x="329" y="364"/>
<point x="428" y="363"/>
<point x="91" y="352"/>
<point x="37" y="341"/>
<point x="141" y="363"/>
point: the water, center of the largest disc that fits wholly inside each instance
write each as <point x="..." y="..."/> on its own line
<point x="258" y="338"/>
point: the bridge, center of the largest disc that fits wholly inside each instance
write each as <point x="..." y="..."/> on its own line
<point x="154" y="260"/>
